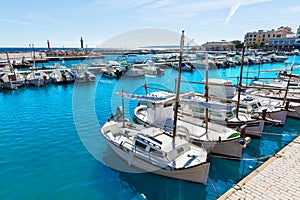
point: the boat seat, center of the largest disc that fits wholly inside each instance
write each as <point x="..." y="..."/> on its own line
<point x="118" y="138"/>
<point x="109" y="135"/>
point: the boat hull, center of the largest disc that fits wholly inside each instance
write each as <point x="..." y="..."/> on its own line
<point x="39" y="82"/>
<point x="197" y="174"/>
<point x="253" y="128"/>
<point x="295" y="113"/>
<point x="226" y="148"/>
<point x="13" y="85"/>
<point x="277" y="115"/>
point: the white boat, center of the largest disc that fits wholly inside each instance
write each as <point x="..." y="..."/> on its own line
<point x="198" y="64"/>
<point x="231" y="53"/>
<point x="278" y="58"/>
<point x="293" y="108"/>
<point x="221" y="88"/>
<point x="253" y="60"/>
<point x="12" y="79"/>
<point x="38" y="78"/>
<point x="279" y="84"/>
<point x="111" y="69"/>
<point x="185" y="66"/>
<point x="83" y="75"/>
<point x="152" y="150"/>
<point x="111" y="73"/>
<point x="61" y="76"/>
<point x="51" y="67"/>
<point x="251" y="105"/>
<point x="151" y="69"/>
<point x="132" y="72"/>
<point x="224" y="89"/>
<point x="284" y="76"/>
<point x="275" y="94"/>
<point x="218" y="139"/>
<point x="254" y="124"/>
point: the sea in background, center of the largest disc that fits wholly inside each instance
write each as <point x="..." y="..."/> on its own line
<point x="51" y="147"/>
<point x="29" y="49"/>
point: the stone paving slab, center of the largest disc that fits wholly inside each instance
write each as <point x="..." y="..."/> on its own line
<point x="277" y="178"/>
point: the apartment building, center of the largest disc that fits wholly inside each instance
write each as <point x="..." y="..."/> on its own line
<point x="259" y="37"/>
<point x="281" y="39"/>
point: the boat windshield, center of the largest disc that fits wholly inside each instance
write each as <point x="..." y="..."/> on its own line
<point x="254" y="106"/>
<point x="179" y="150"/>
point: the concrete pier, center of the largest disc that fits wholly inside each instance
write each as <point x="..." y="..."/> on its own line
<point x="277" y="178"/>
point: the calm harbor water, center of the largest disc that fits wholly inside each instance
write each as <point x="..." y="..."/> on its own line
<point x="50" y="144"/>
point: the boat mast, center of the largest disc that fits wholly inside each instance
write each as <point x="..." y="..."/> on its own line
<point x="206" y="95"/>
<point x="240" y="84"/>
<point x="178" y="86"/>
<point x="123" y="112"/>
<point x="288" y="83"/>
<point x="9" y="63"/>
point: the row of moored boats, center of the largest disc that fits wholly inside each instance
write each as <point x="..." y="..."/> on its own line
<point x="174" y="134"/>
<point x="11" y="78"/>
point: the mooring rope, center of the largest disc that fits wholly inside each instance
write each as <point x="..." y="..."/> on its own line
<point x="281" y="134"/>
<point x="245" y="159"/>
<point x="215" y="189"/>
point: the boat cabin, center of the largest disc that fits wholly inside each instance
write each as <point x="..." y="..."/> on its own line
<point x="160" y="147"/>
<point x="248" y="104"/>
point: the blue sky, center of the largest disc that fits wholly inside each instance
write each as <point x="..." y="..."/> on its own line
<point x="63" y="22"/>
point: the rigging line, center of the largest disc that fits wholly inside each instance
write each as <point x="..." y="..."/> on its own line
<point x="298" y="113"/>
<point x="215" y="189"/>
<point x="281" y="134"/>
<point x="259" y="158"/>
<point x="246" y="159"/>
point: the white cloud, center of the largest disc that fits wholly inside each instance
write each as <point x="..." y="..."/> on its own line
<point x="173" y="8"/>
<point x="232" y="11"/>
<point x="295" y="9"/>
<point x="15" y="21"/>
<point x="162" y="3"/>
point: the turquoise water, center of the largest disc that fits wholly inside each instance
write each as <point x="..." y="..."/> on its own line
<point x="51" y="148"/>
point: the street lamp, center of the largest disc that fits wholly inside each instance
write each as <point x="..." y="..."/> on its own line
<point x="32" y="50"/>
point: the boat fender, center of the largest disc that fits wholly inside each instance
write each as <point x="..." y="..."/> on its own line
<point x="287" y="105"/>
<point x="111" y="116"/>
<point x="131" y="156"/>
<point x="243" y="142"/>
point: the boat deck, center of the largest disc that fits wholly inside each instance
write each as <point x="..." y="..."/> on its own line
<point x="277" y="178"/>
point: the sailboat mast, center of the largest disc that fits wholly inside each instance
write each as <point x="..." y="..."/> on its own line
<point x="206" y="96"/>
<point x="288" y="83"/>
<point x="240" y="84"/>
<point x="123" y="112"/>
<point x="178" y="86"/>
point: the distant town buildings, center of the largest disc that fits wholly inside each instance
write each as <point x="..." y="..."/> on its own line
<point x="297" y="43"/>
<point x="281" y="39"/>
<point x="219" y="46"/>
<point x="259" y="37"/>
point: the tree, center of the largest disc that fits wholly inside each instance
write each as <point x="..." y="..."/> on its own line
<point x="238" y="44"/>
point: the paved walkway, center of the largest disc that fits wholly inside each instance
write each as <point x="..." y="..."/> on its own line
<point x="277" y="178"/>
